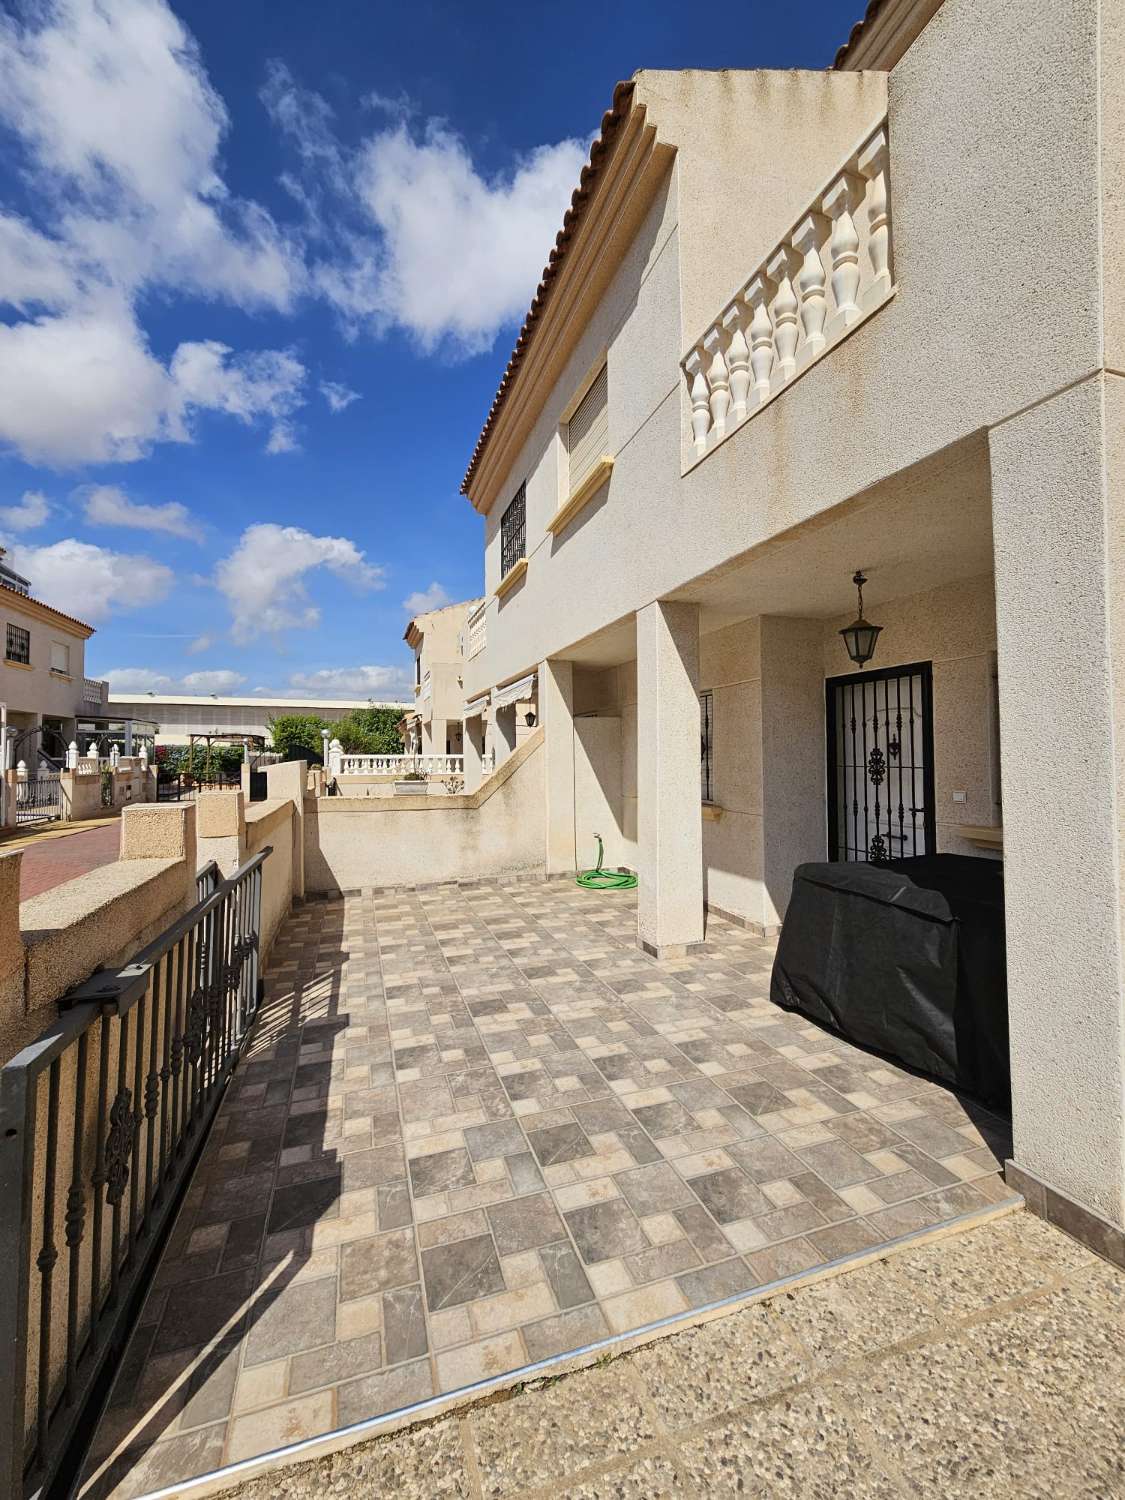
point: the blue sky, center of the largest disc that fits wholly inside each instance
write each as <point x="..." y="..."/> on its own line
<point x="261" y="266"/>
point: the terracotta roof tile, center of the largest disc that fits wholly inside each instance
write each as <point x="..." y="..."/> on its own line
<point x="873" y="9"/>
<point x="611" y="120"/>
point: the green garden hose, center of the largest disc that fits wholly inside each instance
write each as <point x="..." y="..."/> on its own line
<point x="598" y="879"/>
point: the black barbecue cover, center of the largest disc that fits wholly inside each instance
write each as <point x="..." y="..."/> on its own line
<point x="906" y="958"/>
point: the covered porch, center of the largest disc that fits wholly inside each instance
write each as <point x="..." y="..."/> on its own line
<point x="477" y="1129"/>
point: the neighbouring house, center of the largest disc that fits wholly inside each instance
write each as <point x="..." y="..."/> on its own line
<point x="433" y="725"/>
<point x="42" y="679"/>
<point x="176" y="718"/>
<point x="797" y="326"/>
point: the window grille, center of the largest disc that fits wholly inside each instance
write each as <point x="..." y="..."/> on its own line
<point x="513" y="532"/>
<point x="587" y="435"/>
<point x="19" y="645"/>
<point x="706" y="746"/>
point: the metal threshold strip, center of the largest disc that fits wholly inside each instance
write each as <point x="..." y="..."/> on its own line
<point x="327" y="1443"/>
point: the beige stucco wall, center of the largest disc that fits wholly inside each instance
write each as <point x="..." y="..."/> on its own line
<point x="767" y="680"/>
<point x="353" y="844"/>
<point x="986" y="321"/>
<point x="35" y="689"/>
<point x="271" y="824"/>
<point x="955" y="628"/>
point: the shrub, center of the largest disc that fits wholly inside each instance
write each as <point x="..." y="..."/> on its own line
<point x="297" y="737"/>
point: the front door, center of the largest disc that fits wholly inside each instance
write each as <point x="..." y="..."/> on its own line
<point x="880" y="764"/>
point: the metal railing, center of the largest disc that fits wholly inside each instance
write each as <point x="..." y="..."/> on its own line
<point x="38" y="797"/>
<point x="101" y="1121"/>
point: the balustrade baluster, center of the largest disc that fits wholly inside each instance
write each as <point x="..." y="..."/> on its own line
<point x="700" y="399"/>
<point x="757" y="296"/>
<point x="839" y="204"/>
<point x="784" y="312"/>
<point x="717" y="381"/>
<point x="738" y="362"/>
<point x="873" y="165"/>
<point x="811" y="233"/>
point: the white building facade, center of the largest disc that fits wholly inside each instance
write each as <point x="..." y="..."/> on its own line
<point x="798" y="325"/>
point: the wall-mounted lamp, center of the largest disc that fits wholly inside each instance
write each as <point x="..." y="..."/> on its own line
<point x="860" y="636"/>
<point x="529" y="718"/>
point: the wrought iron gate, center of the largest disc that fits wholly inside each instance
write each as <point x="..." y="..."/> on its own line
<point x="881" y="764"/>
<point x="101" y="1121"/>
<point x="39" y="798"/>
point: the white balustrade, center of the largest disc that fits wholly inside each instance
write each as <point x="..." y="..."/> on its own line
<point x="831" y="271"/>
<point x="398" y="765"/>
<point x="94" y="690"/>
<point x="478" y="630"/>
<point x="427" y="686"/>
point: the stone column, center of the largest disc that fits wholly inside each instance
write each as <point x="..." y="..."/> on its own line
<point x="1058" y="502"/>
<point x="669" y="820"/>
<point x="471" y="748"/>
<point x="288" y="779"/>
<point x="221" y="829"/>
<point x="556" y="707"/>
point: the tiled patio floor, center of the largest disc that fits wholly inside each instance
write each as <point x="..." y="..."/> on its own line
<point x="477" y="1128"/>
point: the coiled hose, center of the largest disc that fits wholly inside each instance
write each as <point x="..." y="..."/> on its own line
<point x="598" y="879"/>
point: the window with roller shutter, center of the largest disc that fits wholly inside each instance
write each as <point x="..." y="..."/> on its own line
<point x="587" y="433"/>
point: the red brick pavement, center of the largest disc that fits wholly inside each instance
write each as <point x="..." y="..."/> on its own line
<point x="55" y="860"/>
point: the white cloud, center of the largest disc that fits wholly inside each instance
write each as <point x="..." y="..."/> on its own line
<point x="353" y="682"/>
<point x="30" y="511"/>
<point x="82" y="386"/>
<point x="420" y="603"/>
<point x="199" y="644"/>
<point x="145" y="680"/>
<point x="338" y="396"/>
<point x="136" y="680"/>
<point x="123" y="129"/>
<point x="220" y="680"/>
<point x="263" y="579"/>
<point x="120" y="132"/>
<point x="106" y="505"/>
<point x="77" y="575"/>
<point x="437" y="247"/>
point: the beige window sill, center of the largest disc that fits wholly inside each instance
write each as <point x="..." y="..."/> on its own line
<point x="983" y="835"/>
<point x="21" y="666"/>
<point x="582" y="495"/>
<point x="511" y="577"/>
<point x="712" y="812"/>
<point x="60" y="676"/>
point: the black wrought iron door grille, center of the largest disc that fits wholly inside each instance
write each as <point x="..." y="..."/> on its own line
<point x="513" y="532"/>
<point x="101" y="1121"/>
<point x="880" y="764"/>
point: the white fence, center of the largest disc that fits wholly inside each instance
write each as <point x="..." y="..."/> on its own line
<point x="340" y="764"/>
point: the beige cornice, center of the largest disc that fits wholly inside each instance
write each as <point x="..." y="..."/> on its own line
<point x="623" y="195"/>
<point x="581" y="497"/>
<point x="511" y="577"/>
<point x="22" y="603"/>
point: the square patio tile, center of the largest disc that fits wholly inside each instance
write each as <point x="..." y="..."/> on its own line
<point x="461" y="1272"/>
<point x="605" y="1231"/>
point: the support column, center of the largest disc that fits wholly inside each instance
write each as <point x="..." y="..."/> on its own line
<point x="471" y="740"/>
<point x="1058" y="498"/>
<point x="556" y="709"/>
<point x="669" y="820"/>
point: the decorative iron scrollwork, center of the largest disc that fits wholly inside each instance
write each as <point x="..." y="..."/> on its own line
<point x="152" y="1095"/>
<point x="877" y="852"/>
<point x="119" y="1146"/>
<point x="75" y="1216"/>
<point x="893" y="748"/>
<point x="196" y="1024"/>
<point x="876" y="766"/>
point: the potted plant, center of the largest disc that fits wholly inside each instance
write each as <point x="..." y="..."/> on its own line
<point x="412" y="784"/>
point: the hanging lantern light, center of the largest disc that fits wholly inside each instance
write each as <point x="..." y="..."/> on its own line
<point x="860" y="636"/>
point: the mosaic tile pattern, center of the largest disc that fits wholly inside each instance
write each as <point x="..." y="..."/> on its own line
<point x="479" y="1127"/>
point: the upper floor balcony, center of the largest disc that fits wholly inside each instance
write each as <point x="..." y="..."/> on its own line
<point x="828" y="273"/>
<point x="476" y="631"/>
<point x="95" y="693"/>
